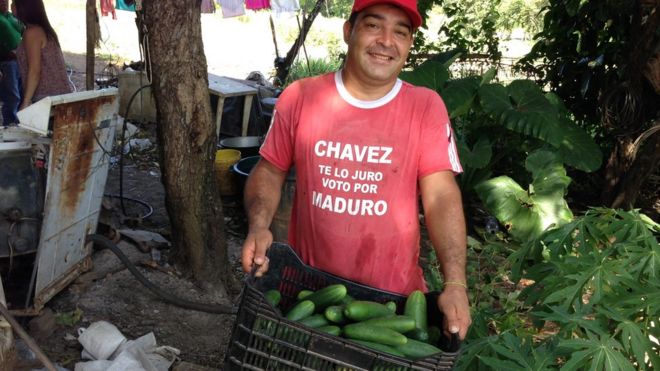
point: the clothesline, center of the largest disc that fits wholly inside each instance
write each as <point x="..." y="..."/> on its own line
<point x="230" y="8"/>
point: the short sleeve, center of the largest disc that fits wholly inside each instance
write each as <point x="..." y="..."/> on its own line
<point x="438" y="150"/>
<point x="278" y="146"/>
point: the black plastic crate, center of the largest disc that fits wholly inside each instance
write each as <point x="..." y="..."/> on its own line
<point x="263" y="339"/>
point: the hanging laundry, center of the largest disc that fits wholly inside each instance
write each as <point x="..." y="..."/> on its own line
<point x="125" y="5"/>
<point x="208" y="6"/>
<point x="231" y="8"/>
<point x="257" y="4"/>
<point x="107" y="8"/>
<point x="285" y="6"/>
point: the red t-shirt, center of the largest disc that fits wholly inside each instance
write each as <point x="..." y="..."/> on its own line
<point x="355" y="212"/>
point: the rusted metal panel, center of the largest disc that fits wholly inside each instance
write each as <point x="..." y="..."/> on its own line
<point x="82" y="137"/>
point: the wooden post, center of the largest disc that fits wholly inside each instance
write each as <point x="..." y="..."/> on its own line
<point x="91" y="41"/>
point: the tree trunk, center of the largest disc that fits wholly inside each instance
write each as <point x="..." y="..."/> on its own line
<point x="625" y="113"/>
<point x="92" y="40"/>
<point x="283" y="68"/>
<point x="187" y="141"/>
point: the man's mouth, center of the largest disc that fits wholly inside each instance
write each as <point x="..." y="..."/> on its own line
<point x="382" y="57"/>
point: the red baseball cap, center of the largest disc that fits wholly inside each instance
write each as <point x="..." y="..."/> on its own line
<point x="408" y="6"/>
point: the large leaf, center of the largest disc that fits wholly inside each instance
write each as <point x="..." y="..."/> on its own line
<point x="430" y="74"/>
<point x="527" y="215"/>
<point x="602" y="353"/>
<point x="477" y="157"/>
<point x="459" y="95"/>
<point x="523" y="108"/>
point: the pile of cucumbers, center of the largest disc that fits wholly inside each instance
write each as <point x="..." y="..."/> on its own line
<point x="374" y="325"/>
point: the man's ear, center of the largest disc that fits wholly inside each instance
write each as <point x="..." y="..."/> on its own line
<point x="347" y="31"/>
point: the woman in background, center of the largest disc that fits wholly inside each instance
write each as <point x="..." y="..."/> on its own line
<point x="40" y="59"/>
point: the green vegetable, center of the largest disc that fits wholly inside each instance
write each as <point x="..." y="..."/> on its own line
<point x="314" y="321"/>
<point x="273" y="297"/>
<point x="376" y="334"/>
<point x="391" y="305"/>
<point x="418" y="334"/>
<point x="360" y="310"/>
<point x="330" y="329"/>
<point x="417" y="349"/>
<point x="301" y="310"/>
<point x="416" y="309"/>
<point x="329" y="295"/>
<point x="380" y="347"/>
<point x="400" y="324"/>
<point x="335" y="314"/>
<point x="303" y="294"/>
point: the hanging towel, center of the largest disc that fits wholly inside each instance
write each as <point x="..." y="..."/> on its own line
<point x="208" y="6"/>
<point x="285" y="6"/>
<point x="231" y="8"/>
<point x="125" y="5"/>
<point x="107" y="8"/>
<point x="257" y="4"/>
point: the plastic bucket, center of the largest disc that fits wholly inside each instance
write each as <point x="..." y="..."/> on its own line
<point x="280" y="224"/>
<point x="249" y="146"/>
<point x="225" y="159"/>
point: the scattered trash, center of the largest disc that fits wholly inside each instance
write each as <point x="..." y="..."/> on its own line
<point x="109" y="350"/>
<point x="138" y="145"/>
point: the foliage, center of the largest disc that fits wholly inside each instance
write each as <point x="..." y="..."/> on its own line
<point x="594" y="298"/>
<point x="580" y="51"/>
<point x="497" y="126"/>
<point x="527" y="213"/>
<point x="313" y="67"/>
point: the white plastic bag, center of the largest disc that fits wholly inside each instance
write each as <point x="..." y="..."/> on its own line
<point x="100" y="340"/>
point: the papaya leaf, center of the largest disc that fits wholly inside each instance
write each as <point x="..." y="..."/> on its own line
<point x="430" y="74"/>
<point x="636" y="342"/>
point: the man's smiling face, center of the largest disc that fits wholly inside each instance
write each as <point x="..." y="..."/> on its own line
<point x="378" y="44"/>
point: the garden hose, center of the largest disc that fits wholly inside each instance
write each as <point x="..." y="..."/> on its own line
<point x="104" y="243"/>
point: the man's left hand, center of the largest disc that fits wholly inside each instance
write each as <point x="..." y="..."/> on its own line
<point x="453" y="303"/>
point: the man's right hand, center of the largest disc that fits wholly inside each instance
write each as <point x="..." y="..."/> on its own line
<point x="254" y="251"/>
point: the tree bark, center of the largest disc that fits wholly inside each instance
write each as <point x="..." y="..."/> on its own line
<point x="92" y="39"/>
<point x="187" y="141"/>
<point x="625" y="112"/>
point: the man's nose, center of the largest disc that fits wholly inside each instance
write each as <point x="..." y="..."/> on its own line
<point x="386" y="37"/>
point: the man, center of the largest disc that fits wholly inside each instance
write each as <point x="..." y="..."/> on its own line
<point x="365" y="146"/>
<point x="10" y="37"/>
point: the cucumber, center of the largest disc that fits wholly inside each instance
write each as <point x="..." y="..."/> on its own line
<point x="330" y="329"/>
<point x="391" y="305"/>
<point x="273" y="297"/>
<point x="381" y="348"/>
<point x="328" y="295"/>
<point x="360" y="310"/>
<point x="303" y="294"/>
<point x="415" y="349"/>
<point x="314" y="321"/>
<point x="418" y="334"/>
<point x="376" y="334"/>
<point x="401" y="324"/>
<point x="416" y="309"/>
<point x="301" y="310"/>
<point x="335" y="314"/>
<point x="347" y="299"/>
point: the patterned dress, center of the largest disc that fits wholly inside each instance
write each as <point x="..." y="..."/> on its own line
<point x="53" y="79"/>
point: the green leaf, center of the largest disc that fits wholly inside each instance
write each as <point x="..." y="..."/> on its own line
<point x="596" y="354"/>
<point x="479" y="156"/>
<point x="430" y="74"/>
<point x="459" y="95"/>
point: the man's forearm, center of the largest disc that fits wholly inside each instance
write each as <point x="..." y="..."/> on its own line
<point x="262" y="194"/>
<point x="445" y="222"/>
